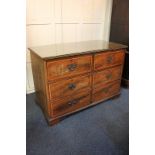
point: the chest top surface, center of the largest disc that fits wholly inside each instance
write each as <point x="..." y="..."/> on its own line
<point x="70" y="49"/>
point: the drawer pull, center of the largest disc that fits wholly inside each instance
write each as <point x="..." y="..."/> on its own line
<point x="109" y="76"/>
<point x="73" y="102"/>
<point x="71" y="67"/>
<point x="105" y="90"/>
<point x="110" y="59"/>
<point x="72" y="86"/>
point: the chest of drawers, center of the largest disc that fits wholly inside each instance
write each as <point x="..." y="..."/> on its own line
<point x="70" y="77"/>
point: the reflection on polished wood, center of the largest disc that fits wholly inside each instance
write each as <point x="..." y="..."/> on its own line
<point x="68" y="49"/>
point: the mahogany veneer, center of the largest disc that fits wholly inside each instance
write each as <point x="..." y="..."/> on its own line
<point x="74" y="76"/>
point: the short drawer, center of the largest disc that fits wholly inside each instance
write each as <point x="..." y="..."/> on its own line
<point x="68" y="67"/>
<point x="70" y="86"/>
<point x="108" y="59"/>
<point x="107" y="75"/>
<point x="70" y="104"/>
<point x="106" y="91"/>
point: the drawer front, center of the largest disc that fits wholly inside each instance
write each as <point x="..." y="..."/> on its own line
<point x="107" y="75"/>
<point x="106" y="91"/>
<point x="70" y="86"/>
<point x="69" y="105"/>
<point x="108" y="59"/>
<point x="68" y="67"/>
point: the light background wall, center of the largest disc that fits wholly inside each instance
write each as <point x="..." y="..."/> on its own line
<point x="56" y="21"/>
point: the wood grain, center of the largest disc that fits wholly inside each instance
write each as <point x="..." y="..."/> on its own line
<point x="69" y="87"/>
<point x="107" y="75"/>
<point x="61" y="68"/>
<point x="39" y="70"/>
<point x="108" y="59"/>
<point x="70" y="104"/>
<point x="105" y="91"/>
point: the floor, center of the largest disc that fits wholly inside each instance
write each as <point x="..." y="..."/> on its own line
<point x="100" y="130"/>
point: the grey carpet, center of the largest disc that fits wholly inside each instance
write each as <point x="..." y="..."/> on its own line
<point x="100" y="130"/>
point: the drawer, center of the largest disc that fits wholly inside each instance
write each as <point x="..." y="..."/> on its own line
<point x="68" y="105"/>
<point x="108" y="59"/>
<point x="107" y="75"/>
<point x="68" y="67"/>
<point x="70" y="86"/>
<point x="106" y="91"/>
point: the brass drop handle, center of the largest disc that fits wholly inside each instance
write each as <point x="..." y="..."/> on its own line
<point x="109" y="76"/>
<point x="73" y="102"/>
<point x="110" y="59"/>
<point x="71" y="67"/>
<point x="105" y="90"/>
<point x="72" y="86"/>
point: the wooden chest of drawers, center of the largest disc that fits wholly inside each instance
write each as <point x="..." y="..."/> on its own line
<point x="70" y="79"/>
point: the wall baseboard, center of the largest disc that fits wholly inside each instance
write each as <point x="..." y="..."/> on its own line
<point x="30" y="91"/>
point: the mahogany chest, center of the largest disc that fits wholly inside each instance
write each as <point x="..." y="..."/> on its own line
<point x="69" y="77"/>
